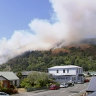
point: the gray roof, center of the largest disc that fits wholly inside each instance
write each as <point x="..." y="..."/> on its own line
<point x="92" y="84"/>
<point x="26" y="72"/>
<point x="93" y="94"/>
<point x="9" y="75"/>
<point x="66" y="66"/>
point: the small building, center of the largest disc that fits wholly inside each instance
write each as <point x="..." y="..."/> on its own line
<point x="67" y="73"/>
<point x="8" y="79"/>
<point x="92" y="73"/>
<point x="92" y="86"/>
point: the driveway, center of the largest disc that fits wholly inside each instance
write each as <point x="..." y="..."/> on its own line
<point x="70" y="91"/>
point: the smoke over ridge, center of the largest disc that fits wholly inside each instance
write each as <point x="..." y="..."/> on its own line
<point x="74" y="20"/>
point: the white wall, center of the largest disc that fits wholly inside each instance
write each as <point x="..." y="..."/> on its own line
<point x="72" y="71"/>
<point x="2" y="78"/>
<point x="79" y="71"/>
<point x="17" y="82"/>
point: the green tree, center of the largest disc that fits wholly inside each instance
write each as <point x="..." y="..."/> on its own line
<point x="19" y="74"/>
<point x="36" y="79"/>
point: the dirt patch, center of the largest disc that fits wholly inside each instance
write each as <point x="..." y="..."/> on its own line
<point x="21" y="90"/>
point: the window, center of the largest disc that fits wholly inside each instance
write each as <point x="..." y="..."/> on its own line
<point x="11" y="82"/>
<point x="66" y="78"/>
<point x="63" y="71"/>
<point x="63" y="77"/>
<point x="79" y="78"/>
<point x="67" y="70"/>
<point x="73" y="78"/>
<point x="77" y="70"/>
<point x="57" y="71"/>
<point x="15" y="82"/>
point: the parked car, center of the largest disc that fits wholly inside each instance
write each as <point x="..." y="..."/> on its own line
<point x="70" y="83"/>
<point x="80" y="82"/>
<point x="3" y="94"/>
<point x="86" y="80"/>
<point x="54" y="87"/>
<point x="63" y="85"/>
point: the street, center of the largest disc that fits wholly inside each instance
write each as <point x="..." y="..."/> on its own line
<point x="70" y="91"/>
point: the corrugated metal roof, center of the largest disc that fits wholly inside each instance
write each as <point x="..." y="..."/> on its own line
<point x="9" y="75"/>
<point x="26" y="72"/>
<point x="93" y="94"/>
<point x="92" y="84"/>
<point x="66" y="66"/>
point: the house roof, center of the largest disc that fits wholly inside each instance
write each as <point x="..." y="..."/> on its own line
<point x="66" y="66"/>
<point x="93" y="94"/>
<point x="9" y="75"/>
<point x="26" y="72"/>
<point x="92" y="85"/>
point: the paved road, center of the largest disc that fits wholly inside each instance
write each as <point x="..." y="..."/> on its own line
<point x="70" y="91"/>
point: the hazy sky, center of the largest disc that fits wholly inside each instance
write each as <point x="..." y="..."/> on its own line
<point x="27" y="25"/>
<point x="16" y="14"/>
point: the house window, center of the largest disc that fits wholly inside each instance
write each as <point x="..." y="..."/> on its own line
<point x="79" y="78"/>
<point x="67" y="70"/>
<point x="11" y="82"/>
<point x="66" y="78"/>
<point x="57" y="71"/>
<point x="15" y="82"/>
<point x="77" y="70"/>
<point x="73" y="78"/>
<point x="63" y="77"/>
<point x="5" y="84"/>
<point x="58" y="77"/>
<point x="63" y="71"/>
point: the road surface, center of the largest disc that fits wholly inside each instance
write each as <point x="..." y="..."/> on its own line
<point x="70" y="91"/>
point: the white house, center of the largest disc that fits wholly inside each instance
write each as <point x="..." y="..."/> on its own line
<point x="67" y="73"/>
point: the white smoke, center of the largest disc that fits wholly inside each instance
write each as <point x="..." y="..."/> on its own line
<point x="74" y="20"/>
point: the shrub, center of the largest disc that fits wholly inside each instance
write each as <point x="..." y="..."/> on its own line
<point x="25" y="83"/>
<point x="9" y="90"/>
<point x="36" y="80"/>
<point x="15" y="91"/>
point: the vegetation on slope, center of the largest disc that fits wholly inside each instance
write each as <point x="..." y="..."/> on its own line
<point x="83" y="55"/>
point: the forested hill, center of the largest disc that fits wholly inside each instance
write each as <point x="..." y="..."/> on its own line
<point x="83" y="55"/>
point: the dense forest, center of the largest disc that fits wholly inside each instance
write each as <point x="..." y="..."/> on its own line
<point x="83" y="55"/>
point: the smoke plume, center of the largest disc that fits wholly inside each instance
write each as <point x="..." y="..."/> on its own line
<point x="70" y="22"/>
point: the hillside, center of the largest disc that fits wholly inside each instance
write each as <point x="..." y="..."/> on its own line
<point x="83" y="55"/>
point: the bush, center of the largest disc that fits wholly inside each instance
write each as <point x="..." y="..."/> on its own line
<point x="25" y="83"/>
<point x="8" y="90"/>
<point x="15" y="91"/>
<point x="36" y="80"/>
